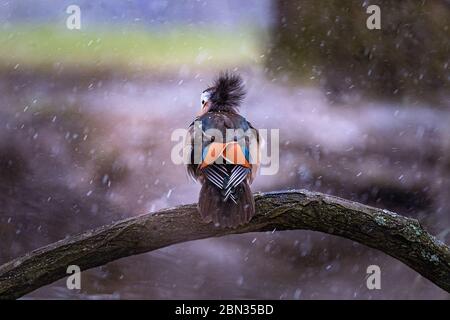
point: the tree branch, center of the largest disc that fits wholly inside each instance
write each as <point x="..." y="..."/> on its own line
<point x="400" y="237"/>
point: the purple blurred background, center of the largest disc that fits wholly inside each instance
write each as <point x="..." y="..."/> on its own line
<point x="85" y="123"/>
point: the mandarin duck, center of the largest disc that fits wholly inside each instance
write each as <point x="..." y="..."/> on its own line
<point x="223" y="154"/>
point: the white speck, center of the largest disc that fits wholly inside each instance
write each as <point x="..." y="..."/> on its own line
<point x="297" y="294"/>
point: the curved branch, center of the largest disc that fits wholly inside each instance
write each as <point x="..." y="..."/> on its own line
<point x="400" y="237"/>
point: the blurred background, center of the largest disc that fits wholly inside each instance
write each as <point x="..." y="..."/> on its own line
<point x="86" y="118"/>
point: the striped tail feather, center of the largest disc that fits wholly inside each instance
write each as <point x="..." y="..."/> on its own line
<point x="225" y="197"/>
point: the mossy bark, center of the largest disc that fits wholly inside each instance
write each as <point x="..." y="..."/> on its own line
<point x="400" y="237"/>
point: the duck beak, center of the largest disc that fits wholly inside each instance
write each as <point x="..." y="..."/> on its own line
<point x="203" y="110"/>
